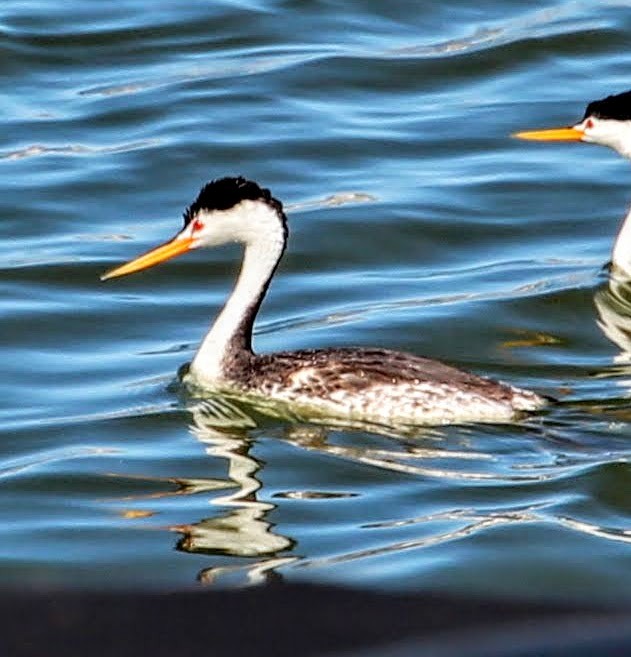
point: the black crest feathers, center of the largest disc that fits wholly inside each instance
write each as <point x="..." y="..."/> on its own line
<point x="616" y="107"/>
<point x="225" y="193"/>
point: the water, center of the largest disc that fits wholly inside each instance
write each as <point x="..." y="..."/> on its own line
<point x="416" y="223"/>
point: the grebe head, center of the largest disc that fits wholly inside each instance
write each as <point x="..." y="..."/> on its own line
<point x="606" y="122"/>
<point x="230" y="209"/>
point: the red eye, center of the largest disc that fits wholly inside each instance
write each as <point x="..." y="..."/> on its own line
<point x="589" y="123"/>
<point x="198" y="225"/>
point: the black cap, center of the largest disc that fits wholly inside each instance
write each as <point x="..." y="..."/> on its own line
<point x="617" y="107"/>
<point x="225" y="193"/>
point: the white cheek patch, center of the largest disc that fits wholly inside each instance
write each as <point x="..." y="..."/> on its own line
<point x="613" y="133"/>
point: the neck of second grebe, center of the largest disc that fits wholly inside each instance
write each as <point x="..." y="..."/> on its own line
<point x="621" y="255"/>
<point x="231" y="334"/>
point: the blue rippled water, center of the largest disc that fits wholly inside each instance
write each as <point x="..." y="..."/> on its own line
<point x="416" y="223"/>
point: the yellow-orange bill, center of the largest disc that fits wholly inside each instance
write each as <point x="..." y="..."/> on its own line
<point x="554" y="134"/>
<point x="161" y="253"/>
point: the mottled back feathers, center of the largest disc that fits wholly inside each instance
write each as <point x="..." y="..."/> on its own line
<point x="378" y="384"/>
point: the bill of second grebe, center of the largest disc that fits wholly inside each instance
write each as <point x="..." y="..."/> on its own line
<point x="357" y="384"/>
<point x="606" y="122"/>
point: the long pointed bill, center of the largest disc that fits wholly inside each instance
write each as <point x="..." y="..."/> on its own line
<point x="175" y="247"/>
<point x="555" y="134"/>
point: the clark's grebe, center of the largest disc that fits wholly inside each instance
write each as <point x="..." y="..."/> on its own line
<point x="356" y="384"/>
<point x="606" y="122"/>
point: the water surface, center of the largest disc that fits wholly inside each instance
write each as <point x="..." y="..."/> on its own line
<point x="416" y="223"/>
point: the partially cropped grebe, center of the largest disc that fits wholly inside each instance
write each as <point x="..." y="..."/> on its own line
<point x="606" y="122"/>
<point x="356" y="384"/>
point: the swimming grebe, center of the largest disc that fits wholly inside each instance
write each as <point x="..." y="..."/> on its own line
<point x="606" y="122"/>
<point x="372" y="385"/>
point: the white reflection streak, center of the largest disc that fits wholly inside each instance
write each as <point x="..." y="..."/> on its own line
<point x="620" y="535"/>
<point x="386" y="460"/>
<point x="333" y="200"/>
<point x="254" y="574"/>
<point x="217" y="69"/>
<point x="18" y="466"/>
<point x="481" y="523"/>
<point x="75" y="149"/>
<point x="104" y="416"/>
<point x="452" y="514"/>
<point x="536" y="23"/>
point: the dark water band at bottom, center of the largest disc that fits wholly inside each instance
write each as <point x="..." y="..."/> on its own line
<point x="287" y="620"/>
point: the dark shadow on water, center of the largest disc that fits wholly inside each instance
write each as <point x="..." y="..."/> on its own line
<point x="286" y="620"/>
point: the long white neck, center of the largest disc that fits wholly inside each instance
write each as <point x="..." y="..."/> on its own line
<point x="231" y="334"/>
<point x="621" y="256"/>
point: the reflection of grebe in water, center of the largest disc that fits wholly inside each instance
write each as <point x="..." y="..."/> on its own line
<point x="241" y="529"/>
<point x="613" y="303"/>
<point x="373" y="385"/>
